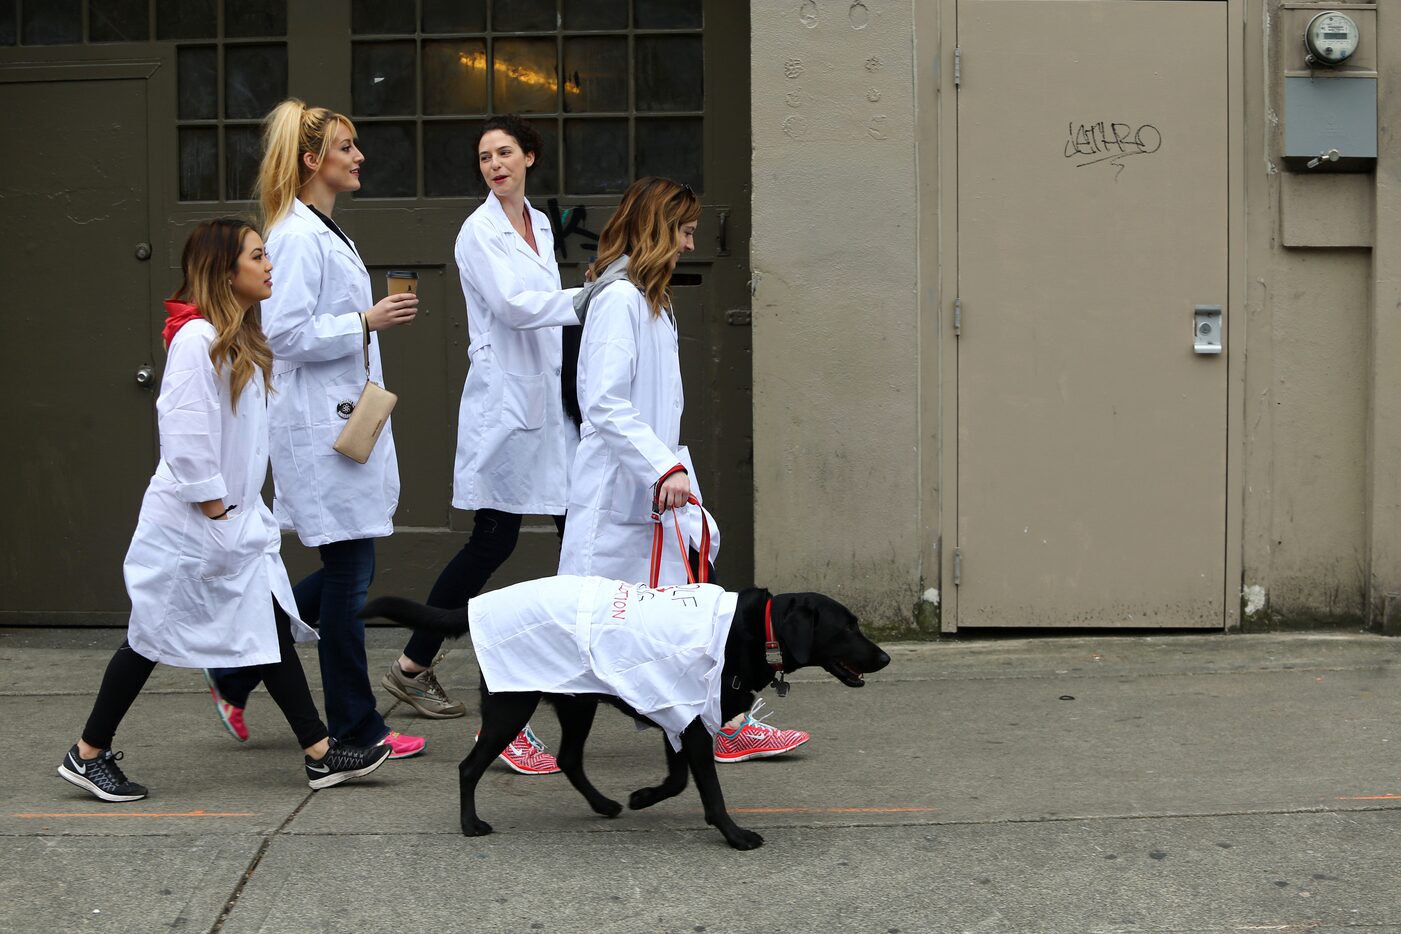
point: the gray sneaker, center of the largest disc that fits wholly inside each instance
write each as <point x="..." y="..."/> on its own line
<point x="422" y="692"/>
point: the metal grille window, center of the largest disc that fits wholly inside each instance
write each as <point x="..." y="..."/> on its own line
<point x="615" y="88"/>
<point x="225" y="86"/>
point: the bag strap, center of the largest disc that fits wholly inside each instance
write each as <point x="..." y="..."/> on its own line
<point x="657" y="542"/>
<point x="365" y="325"/>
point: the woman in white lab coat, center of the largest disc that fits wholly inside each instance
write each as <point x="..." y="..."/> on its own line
<point x="514" y="441"/>
<point x="319" y="322"/>
<point x="206" y="582"/>
<point x="630" y="464"/>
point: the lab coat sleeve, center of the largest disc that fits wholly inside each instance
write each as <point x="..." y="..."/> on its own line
<point x="483" y="258"/>
<point x="609" y="349"/>
<point x="188" y="417"/>
<point x="294" y="330"/>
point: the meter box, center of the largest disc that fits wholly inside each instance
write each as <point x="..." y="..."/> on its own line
<point x="1330" y="88"/>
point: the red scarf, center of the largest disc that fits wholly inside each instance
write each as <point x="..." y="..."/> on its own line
<point x="177" y="315"/>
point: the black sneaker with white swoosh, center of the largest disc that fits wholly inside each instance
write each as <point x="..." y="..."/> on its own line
<point x="100" y="777"/>
<point x="343" y="763"/>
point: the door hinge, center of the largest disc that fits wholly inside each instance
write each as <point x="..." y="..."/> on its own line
<point x="957" y="317"/>
<point x="957" y="566"/>
<point x="957" y="66"/>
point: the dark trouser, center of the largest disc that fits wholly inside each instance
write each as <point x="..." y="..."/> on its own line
<point x="493" y="538"/>
<point x="286" y="681"/>
<point x="333" y="596"/>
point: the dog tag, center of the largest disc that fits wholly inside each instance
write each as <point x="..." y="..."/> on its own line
<point x="780" y="688"/>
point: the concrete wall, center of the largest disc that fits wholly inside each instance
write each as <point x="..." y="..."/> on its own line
<point x="847" y="188"/>
<point x="836" y="349"/>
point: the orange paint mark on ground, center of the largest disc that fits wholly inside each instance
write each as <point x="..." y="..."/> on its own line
<point x="831" y="810"/>
<point x="139" y="814"/>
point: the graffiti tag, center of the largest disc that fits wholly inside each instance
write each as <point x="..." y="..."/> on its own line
<point x="1092" y="143"/>
<point x="568" y="223"/>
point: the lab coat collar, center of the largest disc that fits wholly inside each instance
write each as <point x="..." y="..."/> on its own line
<point x="300" y="209"/>
<point x="544" y="238"/>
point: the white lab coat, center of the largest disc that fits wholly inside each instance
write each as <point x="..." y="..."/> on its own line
<point x="662" y="651"/>
<point x="202" y="589"/>
<point x="313" y="325"/>
<point x="514" y="442"/>
<point x="631" y="400"/>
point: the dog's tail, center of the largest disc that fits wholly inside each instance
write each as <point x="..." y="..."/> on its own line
<point x="416" y="616"/>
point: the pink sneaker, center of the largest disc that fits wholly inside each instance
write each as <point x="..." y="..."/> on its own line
<point x="404" y="746"/>
<point x="527" y="754"/>
<point x="756" y="740"/>
<point x="229" y="715"/>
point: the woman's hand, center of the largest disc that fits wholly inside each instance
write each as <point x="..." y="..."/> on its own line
<point x="392" y="310"/>
<point x="674" y="491"/>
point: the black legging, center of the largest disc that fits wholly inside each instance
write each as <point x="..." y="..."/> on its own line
<point x="493" y="538"/>
<point x="128" y="670"/>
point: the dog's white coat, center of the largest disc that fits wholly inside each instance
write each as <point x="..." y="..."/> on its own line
<point x="661" y="651"/>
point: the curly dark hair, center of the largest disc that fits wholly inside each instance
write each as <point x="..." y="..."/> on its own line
<point x="525" y="135"/>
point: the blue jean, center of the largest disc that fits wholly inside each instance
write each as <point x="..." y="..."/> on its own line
<point x="332" y="596"/>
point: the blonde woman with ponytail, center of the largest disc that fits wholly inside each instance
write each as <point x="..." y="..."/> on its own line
<point x="630" y="463"/>
<point x="320" y="323"/>
<point x="206" y="582"/>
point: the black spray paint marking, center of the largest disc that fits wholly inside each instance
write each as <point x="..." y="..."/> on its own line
<point x="565" y="225"/>
<point x="1092" y="143"/>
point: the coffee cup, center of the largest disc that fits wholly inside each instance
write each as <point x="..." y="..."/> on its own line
<point x="402" y="280"/>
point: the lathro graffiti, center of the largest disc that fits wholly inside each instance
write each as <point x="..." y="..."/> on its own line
<point x="1092" y="143"/>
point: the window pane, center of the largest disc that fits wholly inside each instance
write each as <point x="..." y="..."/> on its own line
<point x="542" y="181"/>
<point x="523" y="15"/>
<point x="199" y="164"/>
<point x="8" y="31"/>
<point x="596" y="156"/>
<point x="390" y="169"/>
<point x="52" y="22"/>
<point x="255" y="18"/>
<point x="669" y="73"/>
<point x="454" y="76"/>
<point x="198" y="85"/>
<point x="382" y="78"/>
<point x="668" y="14"/>
<point x="185" y="19"/>
<point x="242" y="149"/>
<point x="454" y="15"/>
<point x="595" y="74"/>
<point x="595" y="14"/>
<point x="118" y="21"/>
<point x="525" y="76"/>
<point x="671" y="148"/>
<point x="255" y="79"/>
<point x="449" y="163"/>
<point x="378" y="17"/>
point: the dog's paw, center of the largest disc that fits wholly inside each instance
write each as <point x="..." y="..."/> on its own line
<point x="644" y="798"/>
<point x="475" y="827"/>
<point x="742" y="839"/>
<point x="608" y="808"/>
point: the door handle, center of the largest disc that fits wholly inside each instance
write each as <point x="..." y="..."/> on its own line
<point x="146" y="376"/>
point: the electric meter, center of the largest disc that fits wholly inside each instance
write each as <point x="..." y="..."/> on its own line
<point x="1331" y="38"/>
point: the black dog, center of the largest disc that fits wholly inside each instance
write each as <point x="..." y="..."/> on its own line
<point x="811" y="629"/>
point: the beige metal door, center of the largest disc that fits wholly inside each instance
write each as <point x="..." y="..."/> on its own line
<point x="1092" y="219"/>
<point x="76" y="329"/>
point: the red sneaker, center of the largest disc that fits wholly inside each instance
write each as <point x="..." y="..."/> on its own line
<point x="527" y="754"/>
<point x="755" y="739"/>
<point x="404" y="746"/>
<point x="229" y="715"/>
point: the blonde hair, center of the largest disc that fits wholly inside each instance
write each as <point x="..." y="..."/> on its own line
<point x="289" y="131"/>
<point x="210" y="259"/>
<point x="647" y="227"/>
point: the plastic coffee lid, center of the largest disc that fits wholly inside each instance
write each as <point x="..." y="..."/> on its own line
<point x="402" y="274"/>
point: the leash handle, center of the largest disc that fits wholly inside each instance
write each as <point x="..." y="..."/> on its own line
<point x="658" y="537"/>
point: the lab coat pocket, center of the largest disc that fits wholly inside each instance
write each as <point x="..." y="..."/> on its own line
<point x="523" y="400"/>
<point x="631" y="500"/>
<point x="228" y="545"/>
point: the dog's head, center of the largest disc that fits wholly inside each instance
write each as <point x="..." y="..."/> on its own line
<point x="814" y="629"/>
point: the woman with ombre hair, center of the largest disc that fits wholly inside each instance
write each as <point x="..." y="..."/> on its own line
<point x="630" y="464"/>
<point x="322" y="324"/>
<point x="204" y="573"/>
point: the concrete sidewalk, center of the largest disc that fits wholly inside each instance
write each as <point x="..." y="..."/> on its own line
<point x="1116" y="783"/>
